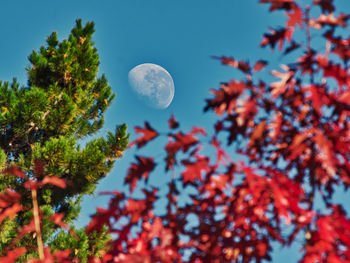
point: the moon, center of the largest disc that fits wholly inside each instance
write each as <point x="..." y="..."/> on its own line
<point x="152" y="84"/>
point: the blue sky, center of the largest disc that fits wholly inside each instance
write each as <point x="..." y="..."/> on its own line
<point x="180" y="36"/>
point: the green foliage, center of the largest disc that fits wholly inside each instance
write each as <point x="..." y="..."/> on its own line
<point x="84" y="244"/>
<point x="63" y="103"/>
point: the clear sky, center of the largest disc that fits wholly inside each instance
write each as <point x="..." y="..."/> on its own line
<point x="180" y="36"/>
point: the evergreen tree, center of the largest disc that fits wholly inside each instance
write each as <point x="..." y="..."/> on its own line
<point x="63" y="103"/>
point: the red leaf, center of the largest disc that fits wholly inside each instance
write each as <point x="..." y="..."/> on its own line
<point x="54" y="181"/>
<point x="280" y="87"/>
<point x="225" y="97"/>
<point x="182" y="142"/>
<point x="194" y="169"/>
<point x="173" y="124"/>
<point x="140" y="169"/>
<point x="337" y="72"/>
<point x="31" y="184"/>
<point x="259" y="65"/>
<point x="136" y="208"/>
<point x="10" y="212"/>
<point x="326" y="5"/>
<point x="246" y="110"/>
<point x="292" y="47"/>
<point x="148" y="134"/>
<point x="12" y="255"/>
<point x="279" y="4"/>
<point x="329" y="20"/>
<point x="277" y="36"/>
<point x="295" y="17"/>
<point x="241" y="65"/>
<point x="198" y="130"/>
<point x="57" y="219"/>
<point x="258" y="133"/>
<point x="9" y="197"/>
<point x="98" y="220"/>
<point x="13" y="170"/>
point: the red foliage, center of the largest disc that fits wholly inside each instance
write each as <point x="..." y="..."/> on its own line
<point x="282" y="135"/>
<point x="288" y="144"/>
<point x="148" y="134"/>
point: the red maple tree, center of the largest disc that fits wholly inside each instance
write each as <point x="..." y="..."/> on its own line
<point x="291" y="143"/>
<point x="288" y="144"/>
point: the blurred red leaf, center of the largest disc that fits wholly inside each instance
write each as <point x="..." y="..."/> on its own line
<point x="54" y="181"/>
<point x="57" y="219"/>
<point x="295" y="17"/>
<point x="277" y="36"/>
<point x="259" y="65"/>
<point x="241" y="65"/>
<point x="173" y="123"/>
<point x="13" y="170"/>
<point x="31" y="184"/>
<point x="279" y="4"/>
<point x="280" y="87"/>
<point x="138" y="170"/>
<point x="12" y="255"/>
<point x="326" y="5"/>
<point x="148" y="134"/>
<point x="329" y="20"/>
<point x="291" y="47"/>
<point x="194" y="169"/>
<point x="10" y="211"/>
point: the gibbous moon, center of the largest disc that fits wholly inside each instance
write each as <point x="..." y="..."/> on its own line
<point x="152" y="84"/>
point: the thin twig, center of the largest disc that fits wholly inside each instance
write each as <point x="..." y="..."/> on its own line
<point x="37" y="225"/>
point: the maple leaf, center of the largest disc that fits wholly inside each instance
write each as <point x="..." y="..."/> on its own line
<point x="181" y="142"/>
<point x="279" y="4"/>
<point x="221" y="155"/>
<point x="337" y="72"/>
<point x="194" y="169"/>
<point x="330" y="20"/>
<point x="148" y="134"/>
<point x="275" y="126"/>
<point x="13" y="170"/>
<point x="241" y="65"/>
<point x="53" y="180"/>
<point x="280" y="87"/>
<point x="8" y="197"/>
<point x="12" y="255"/>
<point x="98" y="220"/>
<point x="258" y="133"/>
<point x="277" y="36"/>
<point x="326" y="5"/>
<point x="246" y="110"/>
<point x="10" y="211"/>
<point x="138" y="170"/>
<point x="291" y="47"/>
<point x="298" y="144"/>
<point x="318" y="96"/>
<point x="136" y="208"/>
<point x="57" y="219"/>
<point x="225" y="97"/>
<point x="173" y="123"/>
<point x="259" y="65"/>
<point x="327" y="153"/>
<point x="295" y="17"/>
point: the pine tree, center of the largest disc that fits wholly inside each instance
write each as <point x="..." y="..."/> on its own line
<point x="47" y="120"/>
